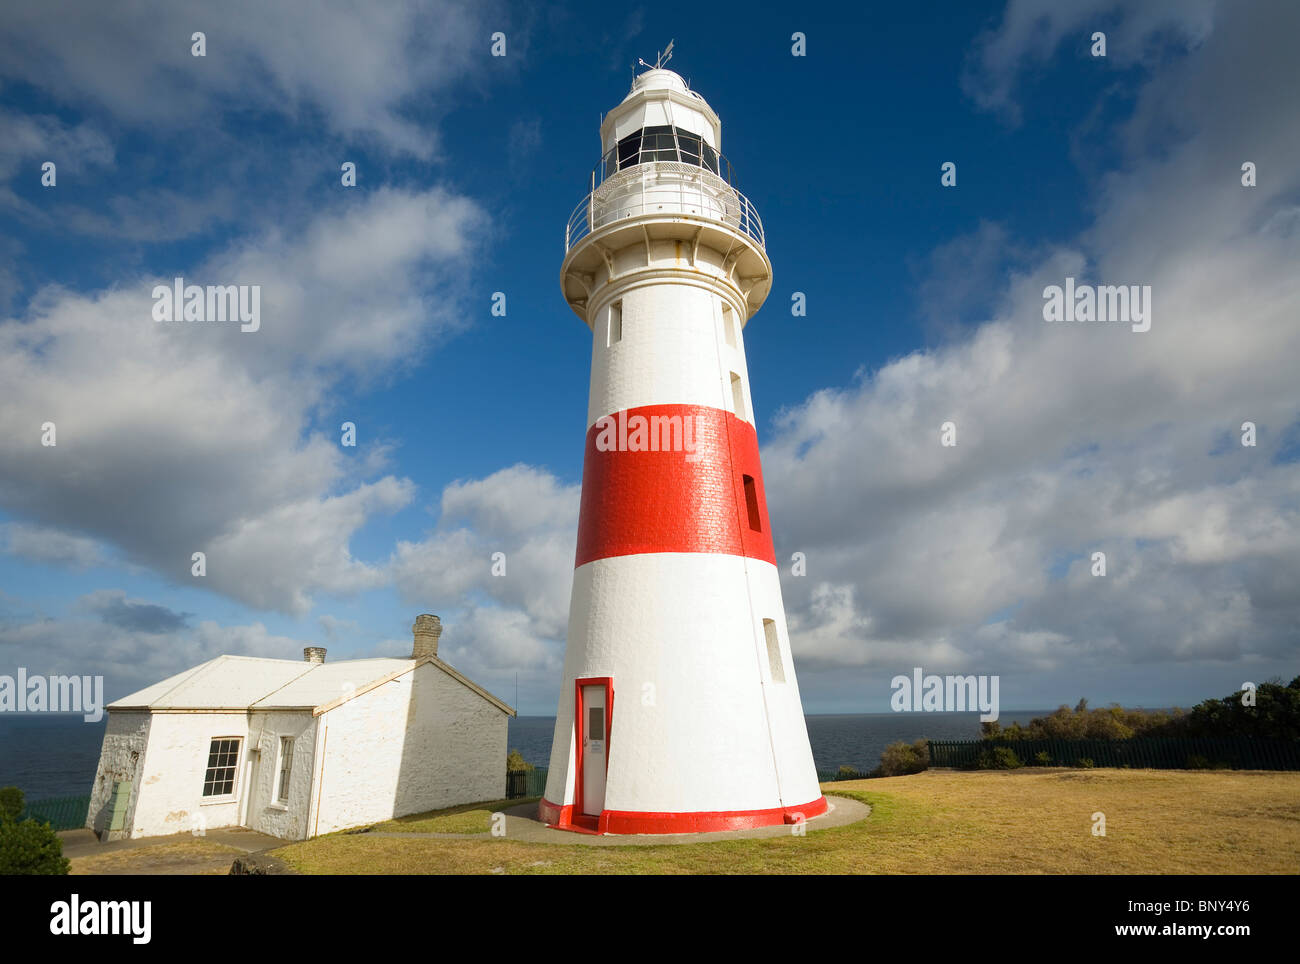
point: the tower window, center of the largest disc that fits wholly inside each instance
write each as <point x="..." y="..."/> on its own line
<point x="751" y="504"/>
<point x="774" y="661"/>
<point x="661" y="143"/>
<point x="737" y="395"/>
<point x="615" y="332"/>
<point x="729" y="325"/>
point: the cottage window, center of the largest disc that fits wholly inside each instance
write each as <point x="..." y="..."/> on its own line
<point x="286" y="767"/>
<point x="223" y="761"/>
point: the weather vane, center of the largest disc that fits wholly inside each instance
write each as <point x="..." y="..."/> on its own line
<point x="660" y="59"/>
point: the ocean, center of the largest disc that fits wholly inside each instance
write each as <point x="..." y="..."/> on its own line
<point x="55" y="755"/>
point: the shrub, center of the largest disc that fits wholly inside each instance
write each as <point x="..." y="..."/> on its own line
<point x="11" y="803"/>
<point x="1043" y="759"/>
<point x="1005" y="758"/>
<point x="900" y="759"/>
<point x="1086" y="763"/>
<point x="997" y="758"/>
<point x="847" y="772"/>
<point x="515" y="763"/>
<point x="30" y="848"/>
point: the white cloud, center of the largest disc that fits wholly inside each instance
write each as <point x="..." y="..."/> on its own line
<point x="128" y="653"/>
<point x="176" y="438"/>
<point x="1034" y="31"/>
<point x="44" y="544"/>
<point x="1075" y="438"/>
<point x="497" y="622"/>
<point x="368" y="71"/>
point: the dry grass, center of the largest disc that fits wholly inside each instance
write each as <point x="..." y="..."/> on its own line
<point x="1031" y="821"/>
<point x="469" y="818"/>
<point x="184" y="857"/>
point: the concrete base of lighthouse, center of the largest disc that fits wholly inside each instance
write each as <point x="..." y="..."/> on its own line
<point x="629" y="822"/>
<point x="523" y="826"/>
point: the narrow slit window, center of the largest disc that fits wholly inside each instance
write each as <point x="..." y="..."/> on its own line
<point x="774" y="661"/>
<point x="615" y="323"/>
<point x="751" y="503"/>
<point x="286" y="769"/>
<point x="729" y="326"/>
<point x="738" y="395"/>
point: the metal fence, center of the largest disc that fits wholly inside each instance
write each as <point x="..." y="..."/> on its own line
<point x="664" y="188"/>
<point x="1168" y="753"/>
<point x="525" y="783"/>
<point x="831" y="776"/>
<point x="61" y="813"/>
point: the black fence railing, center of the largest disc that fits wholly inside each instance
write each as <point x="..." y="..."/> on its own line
<point x="61" y="813"/>
<point x="525" y="783"/>
<point x="1167" y="753"/>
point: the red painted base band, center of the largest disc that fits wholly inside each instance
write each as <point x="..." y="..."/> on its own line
<point x="668" y="500"/>
<point x="628" y="821"/>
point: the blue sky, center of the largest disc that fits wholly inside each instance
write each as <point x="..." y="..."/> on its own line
<point x="924" y="304"/>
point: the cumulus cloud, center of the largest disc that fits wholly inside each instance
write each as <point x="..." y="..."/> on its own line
<point x="175" y="438"/>
<point x="495" y="623"/>
<point x="369" y="71"/>
<point x="1032" y="32"/>
<point x="114" y="608"/>
<point x="131" y="643"/>
<point x="45" y="544"/>
<point x="40" y="137"/>
<point x="1077" y="438"/>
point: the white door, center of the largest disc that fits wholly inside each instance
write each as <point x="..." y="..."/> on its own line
<point x="595" y="738"/>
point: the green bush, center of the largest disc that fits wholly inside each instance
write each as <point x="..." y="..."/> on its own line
<point x="847" y="772"/>
<point x="515" y="763"/>
<point x="900" y="759"/>
<point x="11" y="803"/>
<point x="1043" y="759"/>
<point x="1005" y="758"/>
<point x="997" y="758"/>
<point x="30" y="848"/>
<point x="1086" y="763"/>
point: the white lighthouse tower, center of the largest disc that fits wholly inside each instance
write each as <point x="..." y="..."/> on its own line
<point x="679" y="710"/>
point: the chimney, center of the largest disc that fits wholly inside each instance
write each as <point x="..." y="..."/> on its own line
<point x="313" y="654"/>
<point x="427" y="629"/>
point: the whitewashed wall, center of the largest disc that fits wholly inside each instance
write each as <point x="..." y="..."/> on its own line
<point x="421" y="742"/>
<point x="120" y="758"/>
<point x="262" y="812"/>
<point x="169" y="793"/>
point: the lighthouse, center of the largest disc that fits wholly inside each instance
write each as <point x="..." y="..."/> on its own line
<point x="679" y="709"/>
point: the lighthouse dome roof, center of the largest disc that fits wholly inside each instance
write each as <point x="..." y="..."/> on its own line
<point x="658" y="78"/>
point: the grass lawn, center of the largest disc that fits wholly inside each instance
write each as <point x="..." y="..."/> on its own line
<point x="468" y="818"/>
<point x="1029" y="821"/>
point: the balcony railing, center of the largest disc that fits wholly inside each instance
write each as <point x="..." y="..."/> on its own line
<point x="667" y="188"/>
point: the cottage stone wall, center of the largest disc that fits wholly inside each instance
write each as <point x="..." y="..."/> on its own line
<point x="262" y="811"/>
<point x="120" y="758"/>
<point x="169" y="796"/>
<point x="421" y="742"/>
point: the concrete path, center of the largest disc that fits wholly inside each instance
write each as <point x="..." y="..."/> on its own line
<point x="84" y="843"/>
<point x="522" y="825"/>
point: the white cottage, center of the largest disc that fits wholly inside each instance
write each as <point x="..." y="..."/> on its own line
<point x="296" y="749"/>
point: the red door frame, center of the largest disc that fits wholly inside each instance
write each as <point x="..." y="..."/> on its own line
<point x="579" y="721"/>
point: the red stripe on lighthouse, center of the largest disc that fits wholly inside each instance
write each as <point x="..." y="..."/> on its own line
<point x="640" y="501"/>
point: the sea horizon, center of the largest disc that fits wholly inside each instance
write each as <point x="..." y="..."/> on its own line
<point x="56" y="754"/>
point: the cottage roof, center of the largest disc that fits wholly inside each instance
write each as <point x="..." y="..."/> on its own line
<point x="244" y="683"/>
